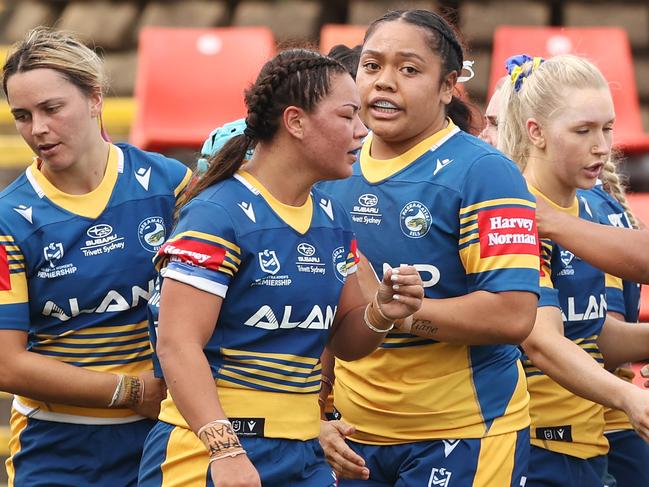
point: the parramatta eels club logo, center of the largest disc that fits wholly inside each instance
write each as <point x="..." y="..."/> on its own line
<point x="151" y="233"/>
<point x="415" y="220"/>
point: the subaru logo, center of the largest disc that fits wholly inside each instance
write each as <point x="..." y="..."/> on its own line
<point x="368" y="199"/>
<point x="306" y="249"/>
<point x="100" y="231"/>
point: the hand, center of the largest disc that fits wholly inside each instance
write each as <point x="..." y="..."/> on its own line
<point x="546" y="218"/>
<point x="155" y="391"/>
<point x="234" y="472"/>
<point x="637" y="408"/>
<point x="367" y="278"/>
<point x="404" y="284"/>
<point x="347" y="464"/>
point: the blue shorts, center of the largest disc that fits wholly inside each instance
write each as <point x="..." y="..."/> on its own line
<point x="628" y="459"/>
<point x="494" y="461"/>
<point x="175" y="457"/>
<point x="50" y="454"/>
<point x="551" y="469"/>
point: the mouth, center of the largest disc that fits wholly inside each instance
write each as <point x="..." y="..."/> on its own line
<point x="383" y="106"/>
<point x="45" y="149"/>
<point x="594" y="170"/>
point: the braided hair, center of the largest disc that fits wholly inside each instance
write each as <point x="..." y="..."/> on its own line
<point x="444" y="42"/>
<point x="295" y="77"/>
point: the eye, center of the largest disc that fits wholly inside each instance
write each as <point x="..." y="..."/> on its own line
<point x="20" y="117"/>
<point x="53" y="108"/>
<point x="410" y="70"/>
<point x="371" y="66"/>
<point x="582" y="131"/>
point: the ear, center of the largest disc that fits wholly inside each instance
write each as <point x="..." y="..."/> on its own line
<point x="96" y="101"/>
<point x="535" y="133"/>
<point x="294" y="120"/>
<point x="447" y="87"/>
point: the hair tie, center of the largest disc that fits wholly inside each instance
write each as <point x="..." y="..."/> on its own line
<point x="468" y="65"/>
<point x="514" y="65"/>
<point x="250" y="133"/>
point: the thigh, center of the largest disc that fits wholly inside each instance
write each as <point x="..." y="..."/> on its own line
<point x="289" y="463"/>
<point x="382" y="462"/>
<point x="628" y="459"/>
<point x="173" y="457"/>
<point x="499" y="460"/>
<point x="549" y="469"/>
<point x="46" y="453"/>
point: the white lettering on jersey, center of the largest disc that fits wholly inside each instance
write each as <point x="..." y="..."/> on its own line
<point x="25" y="212"/>
<point x="511" y="238"/>
<point x="616" y="219"/>
<point x="429" y="274"/>
<point x="586" y="207"/>
<point x="143" y="175"/>
<point x="596" y="308"/>
<point x="328" y="209"/>
<point x="111" y="303"/>
<point x="499" y="223"/>
<point x="248" y="210"/>
<point x="317" y="319"/>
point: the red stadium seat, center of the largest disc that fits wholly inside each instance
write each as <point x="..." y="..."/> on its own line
<point x="192" y="80"/>
<point x="333" y="34"/>
<point x="608" y="48"/>
<point x="639" y="203"/>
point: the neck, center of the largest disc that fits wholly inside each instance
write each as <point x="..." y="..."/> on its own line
<point x="539" y="174"/>
<point x="85" y="174"/>
<point x="389" y="149"/>
<point x="283" y="175"/>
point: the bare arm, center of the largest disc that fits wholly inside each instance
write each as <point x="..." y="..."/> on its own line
<point x="477" y="318"/>
<point x="43" y="378"/>
<point x="351" y="338"/>
<point x="621" y="252"/>
<point x="622" y="342"/>
<point x="187" y="320"/>
<point x="571" y="367"/>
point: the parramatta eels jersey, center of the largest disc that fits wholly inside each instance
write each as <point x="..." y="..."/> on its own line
<point x="460" y="212"/>
<point x="564" y="422"/>
<point x="280" y="271"/>
<point x="76" y="271"/>
<point x="621" y="296"/>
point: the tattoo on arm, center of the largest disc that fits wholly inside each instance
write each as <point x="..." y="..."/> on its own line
<point x="424" y="327"/>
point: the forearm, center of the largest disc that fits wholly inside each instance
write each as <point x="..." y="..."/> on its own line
<point x="621" y="252"/>
<point x="190" y="382"/>
<point x="622" y="342"/>
<point x="46" y="379"/>
<point x="478" y="318"/>
<point x="353" y="339"/>
<point x="571" y="367"/>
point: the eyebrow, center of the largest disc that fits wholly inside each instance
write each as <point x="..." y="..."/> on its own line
<point x="406" y="54"/>
<point x="353" y="105"/>
<point x="40" y="104"/>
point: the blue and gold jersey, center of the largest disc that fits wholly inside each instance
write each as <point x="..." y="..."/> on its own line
<point x="562" y="421"/>
<point x="460" y="212"/>
<point x="280" y="271"/>
<point x="621" y="296"/>
<point x="77" y="268"/>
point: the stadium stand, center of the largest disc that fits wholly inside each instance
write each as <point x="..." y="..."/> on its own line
<point x="187" y="85"/>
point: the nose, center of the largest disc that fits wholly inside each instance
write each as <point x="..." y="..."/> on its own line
<point x="39" y="125"/>
<point x="360" y="131"/>
<point x="602" y="143"/>
<point x="385" y="80"/>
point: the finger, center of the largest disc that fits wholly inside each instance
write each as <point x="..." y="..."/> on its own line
<point x="414" y="291"/>
<point x="408" y="302"/>
<point x="645" y="371"/>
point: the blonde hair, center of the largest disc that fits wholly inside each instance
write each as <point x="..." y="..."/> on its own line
<point x="613" y="185"/>
<point x="45" y="48"/>
<point x="540" y="95"/>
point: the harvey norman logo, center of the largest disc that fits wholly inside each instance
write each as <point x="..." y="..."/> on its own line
<point x="507" y="231"/>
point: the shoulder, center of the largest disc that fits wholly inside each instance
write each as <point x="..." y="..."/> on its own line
<point x="16" y="206"/>
<point x="143" y="164"/>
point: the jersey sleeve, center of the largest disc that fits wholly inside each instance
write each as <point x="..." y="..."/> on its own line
<point x="14" y="301"/>
<point x="615" y="295"/>
<point x="202" y="251"/>
<point x="548" y="296"/>
<point x="498" y="242"/>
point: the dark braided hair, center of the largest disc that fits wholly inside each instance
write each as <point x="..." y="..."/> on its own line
<point x="443" y="41"/>
<point x="296" y="77"/>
